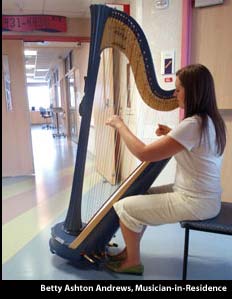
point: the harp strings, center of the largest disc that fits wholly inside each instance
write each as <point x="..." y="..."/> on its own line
<point x="97" y="187"/>
<point x="127" y="112"/>
<point x="94" y="181"/>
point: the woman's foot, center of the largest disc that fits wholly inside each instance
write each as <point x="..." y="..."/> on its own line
<point x="125" y="269"/>
<point x="121" y="256"/>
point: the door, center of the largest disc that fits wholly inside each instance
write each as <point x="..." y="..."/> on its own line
<point x="72" y="107"/>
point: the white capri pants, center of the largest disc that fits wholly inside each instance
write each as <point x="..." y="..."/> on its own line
<point x="164" y="205"/>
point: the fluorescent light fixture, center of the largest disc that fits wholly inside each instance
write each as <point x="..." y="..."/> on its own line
<point x="30" y="66"/>
<point x="42" y="70"/>
<point x="32" y="80"/>
<point x="29" y="75"/>
<point x="30" y="52"/>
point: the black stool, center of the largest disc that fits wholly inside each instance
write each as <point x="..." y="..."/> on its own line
<point x="221" y="224"/>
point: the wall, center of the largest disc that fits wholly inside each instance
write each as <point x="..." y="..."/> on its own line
<point x="17" y="157"/>
<point x="227" y="160"/>
<point x="212" y="46"/>
<point x="163" y="31"/>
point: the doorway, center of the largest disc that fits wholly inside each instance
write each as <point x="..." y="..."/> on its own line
<point x="72" y="107"/>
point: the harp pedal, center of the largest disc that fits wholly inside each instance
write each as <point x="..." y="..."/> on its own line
<point x="112" y="244"/>
<point x="97" y="256"/>
<point x="88" y="259"/>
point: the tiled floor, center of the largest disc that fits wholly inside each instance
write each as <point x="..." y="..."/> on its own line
<point x="33" y="204"/>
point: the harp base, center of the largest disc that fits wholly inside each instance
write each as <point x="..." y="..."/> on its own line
<point x="59" y="245"/>
<point x="96" y="241"/>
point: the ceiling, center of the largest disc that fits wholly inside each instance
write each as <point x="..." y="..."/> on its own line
<point x="49" y="53"/>
<point x="68" y="8"/>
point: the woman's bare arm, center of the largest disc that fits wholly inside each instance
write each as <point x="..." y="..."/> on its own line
<point x="160" y="149"/>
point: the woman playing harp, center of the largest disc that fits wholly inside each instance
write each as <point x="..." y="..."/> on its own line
<point x="198" y="143"/>
<point x="74" y="237"/>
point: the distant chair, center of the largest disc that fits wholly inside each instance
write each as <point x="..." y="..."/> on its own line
<point x="46" y="115"/>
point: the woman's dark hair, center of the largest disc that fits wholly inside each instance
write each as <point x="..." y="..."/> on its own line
<point x="200" y="99"/>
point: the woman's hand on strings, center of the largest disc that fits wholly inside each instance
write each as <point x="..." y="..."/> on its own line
<point x="162" y="130"/>
<point x="157" y="150"/>
<point x="115" y="122"/>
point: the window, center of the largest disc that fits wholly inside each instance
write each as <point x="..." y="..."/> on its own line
<point x="38" y="96"/>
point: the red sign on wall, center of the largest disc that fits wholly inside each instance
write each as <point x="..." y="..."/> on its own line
<point x="168" y="79"/>
<point x="27" y="23"/>
<point x="122" y="7"/>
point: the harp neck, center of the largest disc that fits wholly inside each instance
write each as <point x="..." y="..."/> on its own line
<point x="123" y="33"/>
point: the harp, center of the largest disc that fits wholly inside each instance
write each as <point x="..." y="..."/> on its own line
<point x="110" y="28"/>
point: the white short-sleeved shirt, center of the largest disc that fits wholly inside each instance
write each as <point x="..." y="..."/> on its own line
<point x="198" y="166"/>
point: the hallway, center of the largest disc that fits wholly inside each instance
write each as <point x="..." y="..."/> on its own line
<point x="33" y="204"/>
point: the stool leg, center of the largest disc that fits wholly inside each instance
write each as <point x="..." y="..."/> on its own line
<point x="185" y="262"/>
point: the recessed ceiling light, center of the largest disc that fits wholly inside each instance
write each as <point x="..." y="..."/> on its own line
<point x="30" y="66"/>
